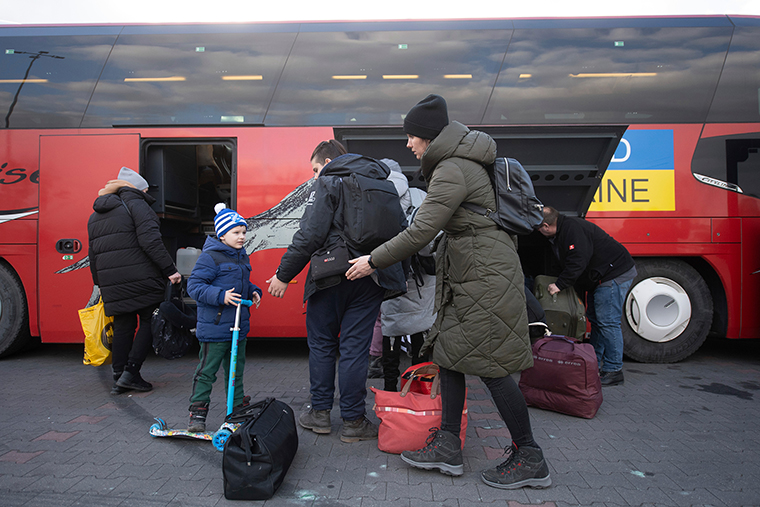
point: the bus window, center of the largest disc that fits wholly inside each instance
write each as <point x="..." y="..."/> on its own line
<point x="60" y="70"/>
<point x="738" y="96"/>
<point x="374" y="77"/>
<point x="609" y="75"/>
<point x="743" y="164"/>
<point x="191" y="77"/>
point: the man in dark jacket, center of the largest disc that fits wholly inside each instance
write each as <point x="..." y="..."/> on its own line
<point x="339" y="318"/>
<point x="130" y="264"/>
<point x="592" y="261"/>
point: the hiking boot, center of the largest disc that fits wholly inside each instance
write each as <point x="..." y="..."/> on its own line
<point x="198" y="412"/>
<point x="317" y="421"/>
<point x="525" y="467"/>
<point x="129" y="380"/>
<point x="375" y="369"/>
<point x="358" y="429"/>
<point x="443" y="452"/>
<point x="611" y="378"/>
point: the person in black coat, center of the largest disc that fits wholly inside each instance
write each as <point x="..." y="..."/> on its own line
<point x="592" y="261"/>
<point x="130" y="265"/>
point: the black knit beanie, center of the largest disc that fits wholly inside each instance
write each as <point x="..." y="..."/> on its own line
<point x="427" y="118"/>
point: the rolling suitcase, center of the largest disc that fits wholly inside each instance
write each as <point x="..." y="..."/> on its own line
<point x="565" y="312"/>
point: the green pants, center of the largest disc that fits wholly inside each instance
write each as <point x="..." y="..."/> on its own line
<point x="212" y="355"/>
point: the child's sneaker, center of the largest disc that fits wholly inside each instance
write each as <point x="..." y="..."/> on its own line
<point x="198" y="412"/>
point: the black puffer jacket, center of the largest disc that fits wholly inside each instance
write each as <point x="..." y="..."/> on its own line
<point x="322" y="223"/>
<point x="128" y="259"/>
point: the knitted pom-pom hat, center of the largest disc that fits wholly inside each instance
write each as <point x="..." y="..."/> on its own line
<point x="226" y="219"/>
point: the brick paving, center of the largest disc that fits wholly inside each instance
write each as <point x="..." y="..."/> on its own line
<point x="682" y="434"/>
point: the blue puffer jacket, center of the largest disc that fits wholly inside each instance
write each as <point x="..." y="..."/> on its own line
<point x="220" y="268"/>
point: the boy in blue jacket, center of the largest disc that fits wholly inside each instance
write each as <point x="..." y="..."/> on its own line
<point x="220" y="279"/>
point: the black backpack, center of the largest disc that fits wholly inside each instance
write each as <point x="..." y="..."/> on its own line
<point x="371" y="211"/>
<point x="518" y="210"/>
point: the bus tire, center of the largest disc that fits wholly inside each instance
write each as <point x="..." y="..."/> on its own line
<point x="14" y="317"/>
<point x="667" y="313"/>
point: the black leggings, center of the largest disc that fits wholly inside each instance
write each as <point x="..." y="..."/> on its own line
<point x="506" y="395"/>
<point x="128" y="347"/>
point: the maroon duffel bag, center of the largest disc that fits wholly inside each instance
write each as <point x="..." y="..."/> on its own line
<point x="564" y="377"/>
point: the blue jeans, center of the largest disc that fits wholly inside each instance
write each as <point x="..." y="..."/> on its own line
<point x="339" y="325"/>
<point x="605" y="312"/>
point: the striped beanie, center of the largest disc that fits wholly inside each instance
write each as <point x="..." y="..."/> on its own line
<point x="226" y="219"/>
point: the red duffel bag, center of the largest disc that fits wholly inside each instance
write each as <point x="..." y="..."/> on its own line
<point x="407" y="417"/>
<point x="564" y="377"/>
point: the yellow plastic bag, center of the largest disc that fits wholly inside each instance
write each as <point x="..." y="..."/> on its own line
<point x="98" y="334"/>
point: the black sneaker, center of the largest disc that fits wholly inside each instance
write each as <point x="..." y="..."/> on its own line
<point x="198" y="412"/>
<point x="612" y="378"/>
<point x="246" y="401"/>
<point x="443" y="452"/>
<point x="134" y="381"/>
<point x="524" y="468"/>
<point x="317" y="421"/>
<point x="358" y="429"/>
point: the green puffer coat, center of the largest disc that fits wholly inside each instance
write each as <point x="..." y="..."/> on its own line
<point x="482" y="324"/>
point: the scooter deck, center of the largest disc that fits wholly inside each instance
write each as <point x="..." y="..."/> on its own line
<point x="218" y="438"/>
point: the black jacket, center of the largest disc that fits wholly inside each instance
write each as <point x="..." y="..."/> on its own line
<point x="128" y="259"/>
<point x="322" y="223"/>
<point x="587" y="255"/>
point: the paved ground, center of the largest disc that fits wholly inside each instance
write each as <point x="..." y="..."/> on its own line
<point x="680" y="434"/>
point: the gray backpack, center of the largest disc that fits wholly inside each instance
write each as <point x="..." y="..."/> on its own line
<point x="518" y="210"/>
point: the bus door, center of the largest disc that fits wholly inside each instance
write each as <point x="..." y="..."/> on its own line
<point x="72" y="170"/>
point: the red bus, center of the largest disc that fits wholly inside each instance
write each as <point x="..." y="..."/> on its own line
<point x="651" y="124"/>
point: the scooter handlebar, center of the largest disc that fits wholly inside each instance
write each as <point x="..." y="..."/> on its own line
<point x="246" y="302"/>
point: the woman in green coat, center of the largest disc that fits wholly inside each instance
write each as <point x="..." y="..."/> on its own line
<point x="481" y="327"/>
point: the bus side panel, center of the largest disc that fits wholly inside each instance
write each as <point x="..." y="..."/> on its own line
<point x="73" y="169"/>
<point x="750" y="272"/>
<point x="272" y="163"/>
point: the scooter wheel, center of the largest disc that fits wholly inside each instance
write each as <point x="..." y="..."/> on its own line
<point x="155" y="429"/>
<point x="220" y="438"/>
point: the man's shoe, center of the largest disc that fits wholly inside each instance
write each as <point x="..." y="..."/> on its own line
<point x="524" y="468"/>
<point x="358" y="429"/>
<point x="443" y="452"/>
<point x="611" y="378"/>
<point x="134" y="381"/>
<point x="317" y="421"/>
<point x="198" y="413"/>
<point x="375" y="369"/>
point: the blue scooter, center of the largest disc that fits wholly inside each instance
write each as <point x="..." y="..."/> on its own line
<point x="219" y="437"/>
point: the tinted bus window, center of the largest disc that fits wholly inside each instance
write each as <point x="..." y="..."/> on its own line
<point x="374" y="77"/>
<point x="609" y="75"/>
<point x="189" y="78"/>
<point x="738" y="95"/>
<point x="62" y="71"/>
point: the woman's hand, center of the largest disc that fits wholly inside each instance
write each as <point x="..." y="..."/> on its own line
<point x="232" y="298"/>
<point x="360" y="268"/>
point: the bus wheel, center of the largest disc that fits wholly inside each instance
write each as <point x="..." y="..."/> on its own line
<point x="14" y="319"/>
<point x="667" y="313"/>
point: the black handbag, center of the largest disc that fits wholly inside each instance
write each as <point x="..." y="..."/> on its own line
<point x="259" y="453"/>
<point x="171" y="325"/>
<point x="328" y="266"/>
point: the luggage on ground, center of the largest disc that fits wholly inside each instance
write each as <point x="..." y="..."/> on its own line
<point x="564" y="377"/>
<point x="565" y="312"/>
<point x="259" y="453"/>
<point x="407" y="417"/>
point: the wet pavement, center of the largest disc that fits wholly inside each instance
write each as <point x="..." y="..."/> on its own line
<point x="674" y="434"/>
